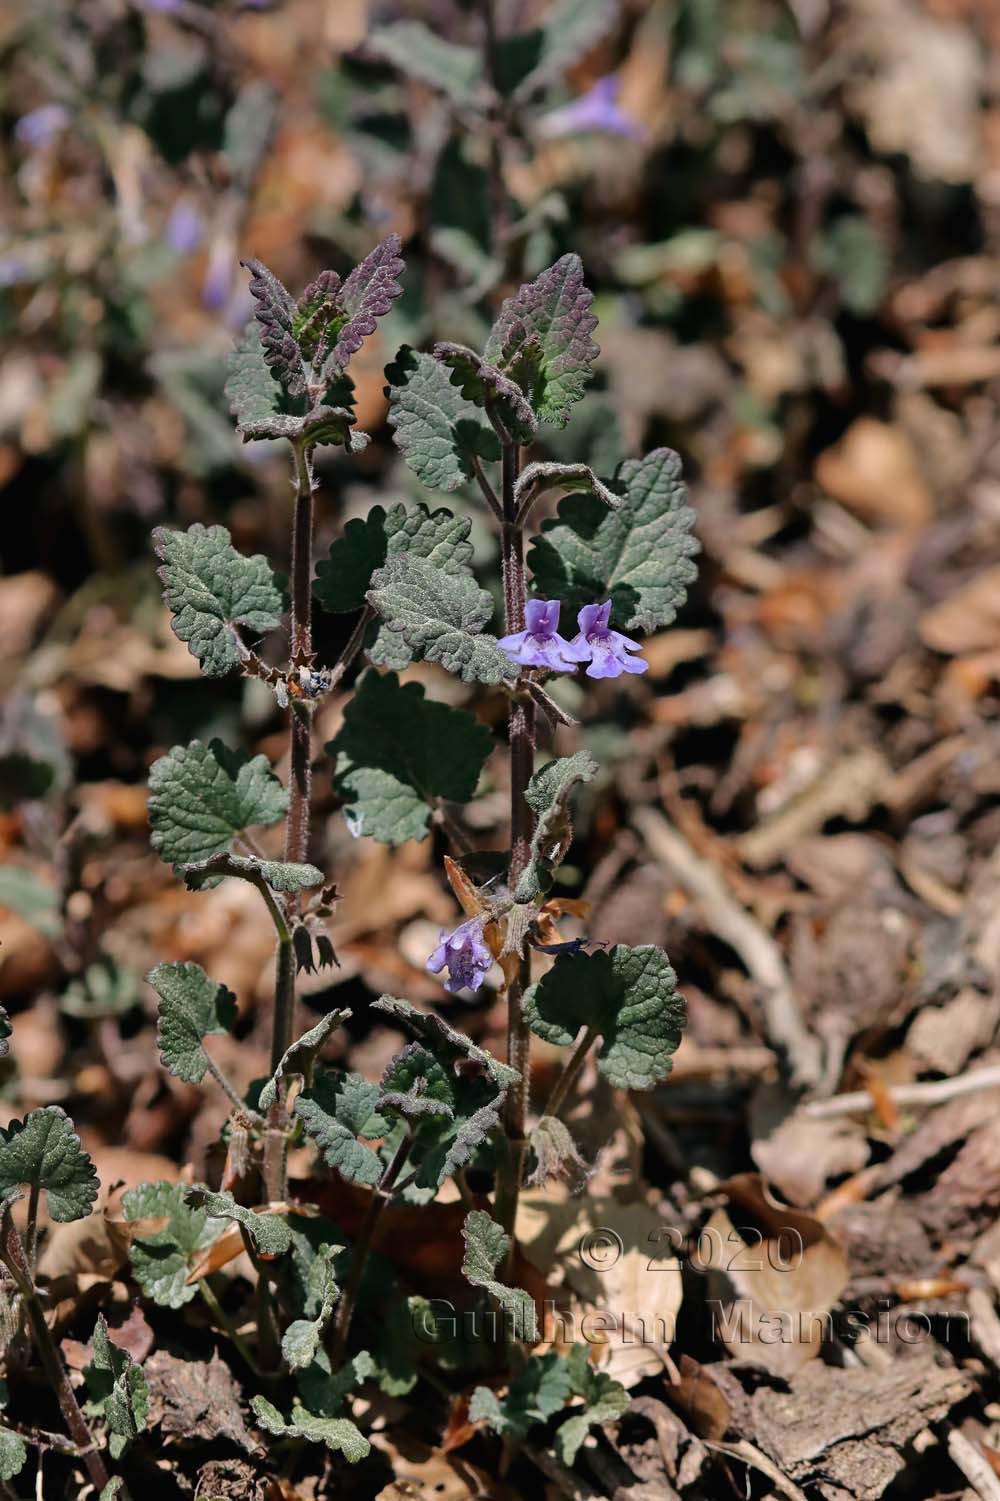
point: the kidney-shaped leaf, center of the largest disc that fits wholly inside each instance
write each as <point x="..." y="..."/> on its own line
<point x="398" y="751"/>
<point x="638" y="555"/>
<point x="628" y="996"/>
<point x="211" y="588"/>
<point x="202" y="796"/>
<point x="43" y="1152"/>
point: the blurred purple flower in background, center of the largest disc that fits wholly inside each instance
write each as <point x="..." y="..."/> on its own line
<point x="607" y="650"/>
<point x="596" y="110"/>
<point x="185" y="227"/>
<point x="13" y="270"/>
<point x="539" y="644"/>
<point x="466" y="955"/>
<point x="218" y="282"/>
<point x="40" y="127"/>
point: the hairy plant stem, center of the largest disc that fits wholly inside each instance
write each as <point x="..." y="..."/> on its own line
<point x="381" y="1196"/>
<point x="570" y="1072"/>
<point x="297" y="827"/>
<point x="522" y="765"/>
<point x="13" y="1254"/>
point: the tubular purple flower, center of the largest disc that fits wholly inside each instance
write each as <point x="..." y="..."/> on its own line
<point x="606" y="650"/>
<point x="465" y="954"/>
<point x="596" y="110"/>
<point x="539" y="644"/>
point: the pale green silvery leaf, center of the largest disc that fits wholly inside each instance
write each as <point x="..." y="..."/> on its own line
<point x="210" y="588"/>
<point x="337" y="1111"/>
<point x="604" y="1400"/>
<point x="440" y="434"/>
<point x="300" y="1058"/>
<point x="13" y="1453"/>
<point x="397" y="752"/>
<point x="639" y="555"/>
<point x="542" y="338"/>
<point x="192" y="1007"/>
<point x="628" y="996"/>
<point x="339" y="1434"/>
<point x="486" y="1247"/>
<point x="444" y="1041"/>
<point x="536" y="479"/>
<point x="43" y="1151"/>
<point x="540" y="1388"/>
<point x="202" y="796"/>
<point x="441" y="617"/>
<point x="547" y="794"/>
<point x="487" y="387"/>
<point x="301" y="1341"/>
<point x="274" y="875"/>
<point x="343" y="579"/>
<point x="162" y="1258"/>
<point x="269" y="1232"/>
<point x="118" y="1390"/>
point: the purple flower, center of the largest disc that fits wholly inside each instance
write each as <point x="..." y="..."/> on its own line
<point x="596" y="110"/>
<point x="540" y="645"/>
<point x="466" y="955"/>
<point x="40" y="127"/>
<point x="184" y="227"/>
<point x="607" y="650"/>
<point x="218" y="280"/>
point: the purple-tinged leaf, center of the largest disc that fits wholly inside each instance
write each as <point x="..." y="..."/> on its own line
<point x="367" y="295"/>
<point x="542" y="339"/>
<point x="275" y="314"/>
<point x="316" y="313"/>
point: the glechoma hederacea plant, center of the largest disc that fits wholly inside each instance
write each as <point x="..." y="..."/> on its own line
<point x="616" y="557"/>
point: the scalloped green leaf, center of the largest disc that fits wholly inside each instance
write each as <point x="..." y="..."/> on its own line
<point x="540" y="1388"/>
<point x="274" y="875"/>
<point x="192" y="1007"/>
<point x="162" y="1257"/>
<point x="440" y="434"/>
<point x="639" y="555"/>
<point x="338" y="1434"/>
<point x="13" y="1454"/>
<point x="423" y="54"/>
<point x="542" y="337"/>
<point x="604" y="1400"/>
<point x="535" y="479"/>
<point x="487" y="387"/>
<point x="261" y="407"/>
<point x="343" y="580"/>
<point x="210" y="588"/>
<point x="444" y="1041"/>
<point x="397" y="752"/>
<point x="628" y="996"/>
<point x="269" y="1232"/>
<point x="43" y="1151"/>
<point x="440" y="616"/>
<point x="118" y="1390"/>
<point x="301" y="1341"/>
<point x="548" y="794"/>
<point x="340" y="1113"/>
<point x="486" y="1247"/>
<point x="299" y="1060"/>
<point x="202" y="796"/>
